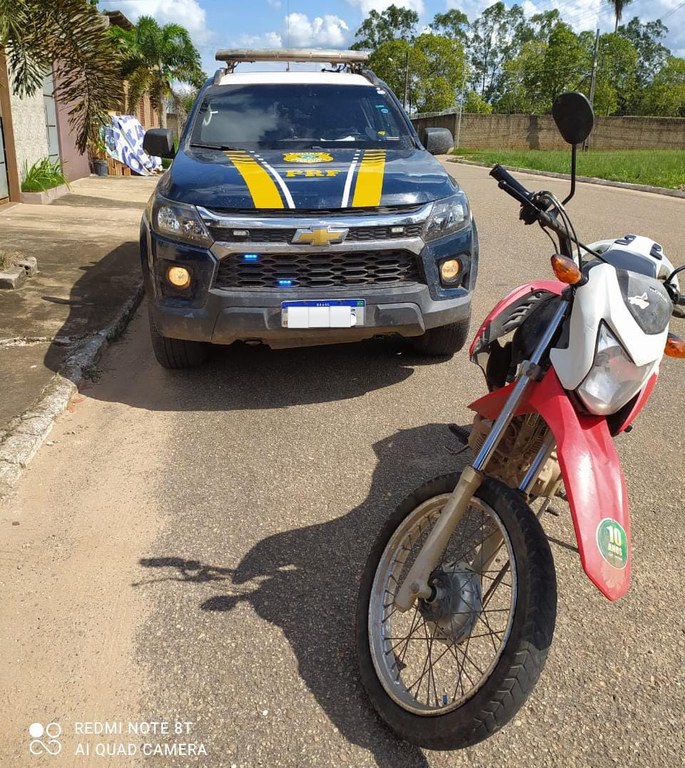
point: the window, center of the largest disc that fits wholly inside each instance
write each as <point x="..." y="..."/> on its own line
<point x="299" y="116"/>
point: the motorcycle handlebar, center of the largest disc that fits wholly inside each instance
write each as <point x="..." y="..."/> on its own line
<point x="503" y="176"/>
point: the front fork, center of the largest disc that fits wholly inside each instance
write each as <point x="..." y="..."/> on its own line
<point x="415" y="584"/>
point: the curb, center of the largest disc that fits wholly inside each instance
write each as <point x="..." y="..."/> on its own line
<point x="584" y="179"/>
<point x="25" y="434"/>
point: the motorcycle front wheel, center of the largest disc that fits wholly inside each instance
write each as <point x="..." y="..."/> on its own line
<point x="451" y="671"/>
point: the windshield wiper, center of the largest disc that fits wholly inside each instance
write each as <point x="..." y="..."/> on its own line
<point x="211" y="146"/>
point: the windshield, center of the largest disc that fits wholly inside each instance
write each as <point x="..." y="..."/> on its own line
<point x="301" y="116"/>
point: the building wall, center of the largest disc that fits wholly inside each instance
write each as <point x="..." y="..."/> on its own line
<point x="145" y="113"/>
<point x="74" y="164"/>
<point x="539" y="131"/>
<point x="30" y="135"/>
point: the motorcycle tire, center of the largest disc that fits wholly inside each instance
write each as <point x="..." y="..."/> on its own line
<point x="483" y="705"/>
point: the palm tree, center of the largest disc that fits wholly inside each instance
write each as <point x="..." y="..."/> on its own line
<point x="618" y="6"/>
<point x="71" y="36"/>
<point x="153" y="58"/>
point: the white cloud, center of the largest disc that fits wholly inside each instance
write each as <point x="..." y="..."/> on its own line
<point x="380" y="5"/>
<point x="267" y="40"/>
<point x="188" y="13"/>
<point x="274" y="3"/>
<point x="320" y="32"/>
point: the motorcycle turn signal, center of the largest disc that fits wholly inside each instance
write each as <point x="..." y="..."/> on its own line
<point x="675" y="346"/>
<point x="566" y="270"/>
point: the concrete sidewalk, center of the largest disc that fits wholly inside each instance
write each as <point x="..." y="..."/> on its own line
<point x="86" y="244"/>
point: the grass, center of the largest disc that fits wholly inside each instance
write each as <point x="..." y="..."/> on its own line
<point x="42" y="175"/>
<point x="654" y="167"/>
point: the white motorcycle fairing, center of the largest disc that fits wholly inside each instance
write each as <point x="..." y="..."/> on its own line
<point x="635" y="308"/>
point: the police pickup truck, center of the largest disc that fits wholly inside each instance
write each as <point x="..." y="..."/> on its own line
<point x="302" y="209"/>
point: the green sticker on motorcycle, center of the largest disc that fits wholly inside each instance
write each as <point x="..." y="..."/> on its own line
<point x="612" y="542"/>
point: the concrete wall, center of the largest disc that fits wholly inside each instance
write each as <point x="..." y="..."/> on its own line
<point x="30" y="135"/>
<point x="539" y="131"/>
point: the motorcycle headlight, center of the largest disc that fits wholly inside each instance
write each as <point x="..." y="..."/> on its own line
<point x="614" y="379"/>
<point x="447" y="216"/>
<point x="179" y="221"/>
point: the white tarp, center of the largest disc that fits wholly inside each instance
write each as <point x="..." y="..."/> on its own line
<point x="124" y="142"/>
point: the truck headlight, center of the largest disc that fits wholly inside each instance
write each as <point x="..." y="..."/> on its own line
<point x="614" y="379"/>
<point x="447" y="216"/>
<point x="179" y="221"/>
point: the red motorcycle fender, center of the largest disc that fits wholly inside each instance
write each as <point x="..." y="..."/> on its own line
<point x="592" y="476"/>
<point x="553" y="286"/>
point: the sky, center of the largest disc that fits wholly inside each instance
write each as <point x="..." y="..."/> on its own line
<point x="215" y="24"/>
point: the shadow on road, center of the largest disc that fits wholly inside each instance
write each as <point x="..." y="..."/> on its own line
<point x="241" y="377"/>
<point x="305" y="581"/>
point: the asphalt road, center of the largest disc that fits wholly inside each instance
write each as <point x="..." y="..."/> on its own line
<point x="188" y="546"/>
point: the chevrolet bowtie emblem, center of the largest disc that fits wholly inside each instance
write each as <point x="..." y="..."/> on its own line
<point x="321" y="236"/>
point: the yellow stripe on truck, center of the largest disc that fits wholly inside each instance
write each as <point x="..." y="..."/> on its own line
<point x="367" y="192"/>
<point x="261" y="186"/>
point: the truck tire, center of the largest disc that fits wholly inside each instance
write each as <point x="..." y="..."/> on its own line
<point x="176" y="354"/>
<point x="443" y="341"/>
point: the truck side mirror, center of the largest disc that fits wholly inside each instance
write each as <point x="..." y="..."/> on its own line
<point x="439" y="141"/>
<point x="159" y="142"/>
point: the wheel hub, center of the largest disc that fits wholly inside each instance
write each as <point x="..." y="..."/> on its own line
<point x="453" y="610"/>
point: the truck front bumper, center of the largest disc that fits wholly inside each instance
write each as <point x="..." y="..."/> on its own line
<point x="231" y="316"/>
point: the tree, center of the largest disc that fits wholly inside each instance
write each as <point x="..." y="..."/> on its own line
<point x="520" y="92"/>
<point x="434" y="66"/>
<point x="391" y="60"/>
<point x="475" y="105"/>
<point x="71" y="36"/>
<point x="493" y="41"/>
<point x="543" y="70"/>
<point x="183" y="100"/>
<point x="616" y="85"/>
<point x="392" y="24"/>
<point x="452" y="23"/>
<point x="540" y="25"/>
<point x="439" y="72"/>
<point x="651" y="53"/>
<point x="666" y="95"/>
<point x="153" y="57"/>
<point x="618" y="6"/>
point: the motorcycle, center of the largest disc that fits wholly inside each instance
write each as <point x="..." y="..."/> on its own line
<point x="457" y="603"/>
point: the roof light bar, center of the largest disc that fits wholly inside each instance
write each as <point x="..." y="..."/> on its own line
<point x="236" y="55"/>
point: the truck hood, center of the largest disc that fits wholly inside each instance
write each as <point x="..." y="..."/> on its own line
<point x="326" y="179"/>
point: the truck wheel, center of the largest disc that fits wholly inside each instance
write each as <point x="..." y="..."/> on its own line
<point x="176" y="353"/>
<point x="443" y="341"/>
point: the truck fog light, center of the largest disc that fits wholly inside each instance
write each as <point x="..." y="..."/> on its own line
<point x="179" y="277"/>
<point x="450" y="271"/>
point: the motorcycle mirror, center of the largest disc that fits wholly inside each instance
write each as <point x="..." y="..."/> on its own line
<point x="574" y="117"/>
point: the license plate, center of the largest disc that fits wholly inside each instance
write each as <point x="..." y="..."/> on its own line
<point x="324" y="313"/>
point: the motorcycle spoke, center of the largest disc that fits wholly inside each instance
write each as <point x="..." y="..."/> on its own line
<point x="483" y="619"/>
<point x="431" y="673"/>
<point x="421" y="676"/>
<point x="462" y="666"/>
<point x="495" y="583"/>
<point x="432" y="661"/>
<point x="414" y="628"/>
<point x="424" y="670"/>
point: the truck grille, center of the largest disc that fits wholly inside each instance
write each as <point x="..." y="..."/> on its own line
<point x="318" y="270"/>
<point x="286" y="235"/>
